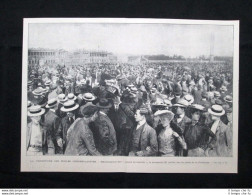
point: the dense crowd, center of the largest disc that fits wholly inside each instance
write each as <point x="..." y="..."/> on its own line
<point x="173" y="109"/>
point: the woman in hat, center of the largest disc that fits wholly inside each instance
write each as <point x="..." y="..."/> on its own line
<point x="36" y="134"/>
<point x="196" y="133"/>
<point x="167" y="138"/>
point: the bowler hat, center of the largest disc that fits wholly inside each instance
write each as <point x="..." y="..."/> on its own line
<point x="103" y="103"/>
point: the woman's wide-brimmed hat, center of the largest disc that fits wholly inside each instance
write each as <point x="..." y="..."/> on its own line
<point x="62" y="98"/>
<point x="169" y="114"/>
<point x="51" y="103"/>
<point x="36" y="111"/>
<point x="71" y="96"/>
<point x="103" y="103"/>
<point x="68" y="106"/>
<point x="228" y="98"/>
<point x="88" y="97"/>
<point x="216" y="110"/>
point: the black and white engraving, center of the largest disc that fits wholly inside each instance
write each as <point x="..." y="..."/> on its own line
<point x="130" y="89"/>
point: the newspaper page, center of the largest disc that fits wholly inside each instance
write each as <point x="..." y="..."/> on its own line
<point x="129" y="95"/>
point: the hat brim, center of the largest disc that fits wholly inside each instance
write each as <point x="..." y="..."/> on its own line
<point x="73" y="98"/>
<point x="179" y="105"/>
<point x="47" y="106"/>
<point x="63" y="109"/>
<point x="215" y="113"/>
<point x="62" y="101"/>
<point x="37" y="114"/>
<point x="89" y="100"/>
<point x="108" y="106"/>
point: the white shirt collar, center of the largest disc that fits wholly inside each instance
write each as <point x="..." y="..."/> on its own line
<point x="215" y="126"/>
<point x="103" y="113"/>
<point x="140" y="123"/>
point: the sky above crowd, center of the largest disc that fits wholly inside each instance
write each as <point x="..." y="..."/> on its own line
<point x="135" y="39"/>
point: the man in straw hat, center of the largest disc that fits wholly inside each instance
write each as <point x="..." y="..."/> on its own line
<point x="69" y="108"/>
<point x="36" y="134"/>
<point x="144" y="137"/>
<point x="80" y="138"/>
<point x="51" y="123"/>
<point x="223" y="144"/>
<point x="167" y="138"/>
<point x="87" y="98"/>
<point x="197" y="134"/>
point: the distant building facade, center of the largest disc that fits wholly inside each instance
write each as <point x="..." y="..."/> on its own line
<point x="40" y="56"/>
<point x="78" y="57"/>
<point x="81" y="57"/>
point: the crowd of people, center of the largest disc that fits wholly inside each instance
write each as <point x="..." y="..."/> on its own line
<point x="174" y="109"/>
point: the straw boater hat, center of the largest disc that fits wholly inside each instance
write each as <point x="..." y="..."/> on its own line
<point x="71" y="96"/>
<point x="51" y="103"/>
<point x="169" y="114"/>
<point x="103" y="103"/>
<point x="216" y="110"/>
<point x="189" y="98"/>
<point x="62" y="98"/>
<point x="89" y="97"/>
<point x="228" y="99"/>
<point x="35" y="111"/>
<point x="181" y="103"/>
<point x="68" y="106"/>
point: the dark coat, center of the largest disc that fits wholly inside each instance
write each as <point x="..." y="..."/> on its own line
<point x="62" y="131"/>
<point x="51" y="124"/>
<point x="125" y="124"/>
<point x="105" y="135"/>
<point x="80" y="140"/>
<point x="148" y="138"/>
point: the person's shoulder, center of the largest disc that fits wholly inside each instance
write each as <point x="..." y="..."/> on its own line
<point x="187" y="119"/>
<point x="149" y="128"/>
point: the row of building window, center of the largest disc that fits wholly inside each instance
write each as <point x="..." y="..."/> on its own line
<point x="41" y="53"/>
